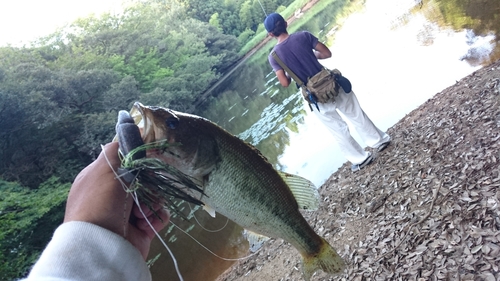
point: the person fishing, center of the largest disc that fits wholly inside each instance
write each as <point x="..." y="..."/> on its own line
<point x="105" y="235"/>
<point x="296" y="56"/>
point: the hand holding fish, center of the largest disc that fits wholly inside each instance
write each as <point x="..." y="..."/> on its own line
<point x="97" y="197"/>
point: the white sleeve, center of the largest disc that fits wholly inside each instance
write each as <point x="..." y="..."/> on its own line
<point x="84" y="251"/>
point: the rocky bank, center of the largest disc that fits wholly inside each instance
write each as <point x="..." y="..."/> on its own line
<point x="427" y="208"/>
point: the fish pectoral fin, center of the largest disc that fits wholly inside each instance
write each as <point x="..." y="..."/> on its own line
<point x="304" y="191"/>
<point x="209" y="210"/>
<point x="255" y="240"/>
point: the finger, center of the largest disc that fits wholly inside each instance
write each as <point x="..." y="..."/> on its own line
<point x="141" y="233"/>
<point x="106" y="161"/>
<point x="163" y="220"/>
<point x="145" y="211"/>
<point x="110" y="153"/>
<point x="153" y="223"/>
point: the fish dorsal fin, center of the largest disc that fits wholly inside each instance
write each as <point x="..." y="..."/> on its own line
<point x="255" y="240"/>
<point x="303" y="190"/>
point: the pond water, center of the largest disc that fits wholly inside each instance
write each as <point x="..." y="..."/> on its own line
<point x="397" y="54"/>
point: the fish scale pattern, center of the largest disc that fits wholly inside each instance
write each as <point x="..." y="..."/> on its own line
<point x="246" y="188"/>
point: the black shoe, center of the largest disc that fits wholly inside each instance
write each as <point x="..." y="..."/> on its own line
<point x="383" y="146"/>
<point x="357" y="167"/>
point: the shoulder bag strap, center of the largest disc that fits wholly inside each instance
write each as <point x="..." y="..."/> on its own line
<point x="296" y="79"/>
<point x="288" y="70"/>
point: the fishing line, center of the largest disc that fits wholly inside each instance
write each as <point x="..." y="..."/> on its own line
<point x="262" y="8"/>
<point x="210" y="251"/>
<point x="136" y="200"/>
<point x="207" y="230"/>
<point x="124" y="186"/>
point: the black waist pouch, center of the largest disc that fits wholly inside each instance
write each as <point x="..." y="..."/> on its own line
<point x="344" y="83"/>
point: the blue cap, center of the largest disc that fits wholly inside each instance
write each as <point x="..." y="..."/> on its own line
<point x="271" y="20"/>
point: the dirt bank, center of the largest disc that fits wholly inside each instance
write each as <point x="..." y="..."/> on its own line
<point x="426" y="209"/>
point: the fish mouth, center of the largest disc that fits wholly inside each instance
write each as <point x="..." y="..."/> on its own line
<point x="159" y="180"/>
<point x="143" y="122"/>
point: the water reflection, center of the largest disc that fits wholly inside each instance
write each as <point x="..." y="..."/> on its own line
<point x="480" y="48"/>
<point x="218" y="241"/>
<point x="397" y="54"/>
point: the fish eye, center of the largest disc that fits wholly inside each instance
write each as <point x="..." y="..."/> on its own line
<point x="172" y="122"/>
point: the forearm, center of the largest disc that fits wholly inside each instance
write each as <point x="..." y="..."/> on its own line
<point x="283" y="78"/>
<point x="321" y="56"/>
<point x="84" y="251"/>
<point x="287" y="82"/>
<point x="321" y="51"/>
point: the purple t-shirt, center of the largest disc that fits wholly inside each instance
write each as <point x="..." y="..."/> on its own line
<point x="297" y="53"/>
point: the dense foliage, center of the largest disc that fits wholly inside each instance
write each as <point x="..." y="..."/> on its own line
<point x="60" y="98"/>
<point x="235" y="17"/>
<point x="28" y="219"/>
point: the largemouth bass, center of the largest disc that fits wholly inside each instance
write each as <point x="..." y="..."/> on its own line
<point x="238" y="182"/>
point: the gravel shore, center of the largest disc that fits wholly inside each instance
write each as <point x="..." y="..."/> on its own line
<point x="427" y="208"/>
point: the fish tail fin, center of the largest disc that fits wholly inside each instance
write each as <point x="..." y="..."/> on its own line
<point x="326" y="259"/>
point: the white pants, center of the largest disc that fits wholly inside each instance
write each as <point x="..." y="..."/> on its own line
<point x="348" y="105"/>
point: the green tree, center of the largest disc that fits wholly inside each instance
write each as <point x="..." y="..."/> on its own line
<point x="144" y="66"/>
<point x="230" y="22"/>
<point x="43" y="118"/>
<point x="28" y="219"/>
<point x="246" y="15"/>
<point x="246" y="35"/>
<point x="214" y="21"/>
<point x="202" y="9"/>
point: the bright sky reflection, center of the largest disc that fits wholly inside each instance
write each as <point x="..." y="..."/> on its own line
<point x="23" y="21"/>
